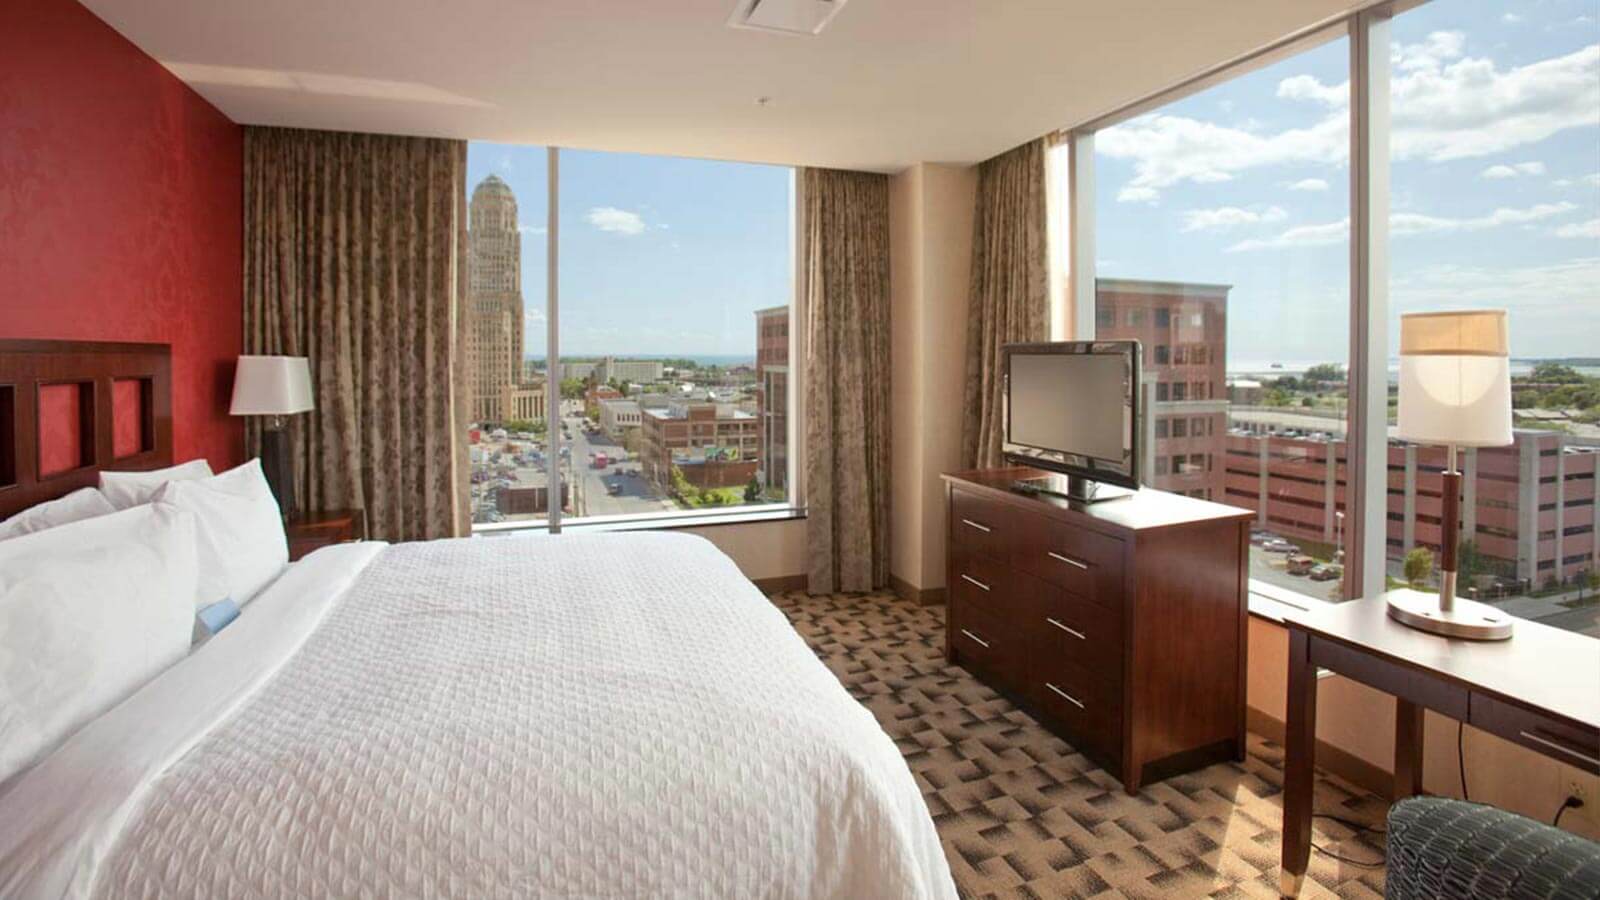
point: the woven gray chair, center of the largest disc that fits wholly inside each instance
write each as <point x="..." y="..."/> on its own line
<point x="1442" y="848"/>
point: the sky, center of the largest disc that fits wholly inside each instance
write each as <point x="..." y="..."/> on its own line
<point x="660" y="256"/>
<point x="1495" y="184"/>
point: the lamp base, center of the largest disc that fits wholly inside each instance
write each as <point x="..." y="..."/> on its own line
<point x="1466" y="619"/>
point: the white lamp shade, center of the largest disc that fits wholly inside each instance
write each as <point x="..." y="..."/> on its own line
<point x="1455" y="379"/>
<point x="271" y="386"/>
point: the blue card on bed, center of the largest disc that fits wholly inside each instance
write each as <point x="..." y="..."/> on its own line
<point x="216" y="617"/>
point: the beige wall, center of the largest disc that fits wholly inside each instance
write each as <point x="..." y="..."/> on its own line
<point x="1360" y="721"/>
<point x="930" y="224"/>
<point x="761" y="549"/>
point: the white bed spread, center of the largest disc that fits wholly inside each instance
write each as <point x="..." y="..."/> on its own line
<point x="600" y="715"/>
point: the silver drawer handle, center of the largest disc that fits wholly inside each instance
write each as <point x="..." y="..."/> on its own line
<point x="1064" y="695"/>
<point x="975" y="637"/>
<point x="1072" y="631"/>
<point x="1555" y="746"/>
<point x="969" y="579"/>
<point x="1068" y="560"/>
<point x="982" y="528"/>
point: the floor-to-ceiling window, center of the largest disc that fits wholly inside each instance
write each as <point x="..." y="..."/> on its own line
<point x="1221" y="245"/>
<point x="1261" y="229"/>
<point x="1494" y="157"/>
<point x="662" y="389"/>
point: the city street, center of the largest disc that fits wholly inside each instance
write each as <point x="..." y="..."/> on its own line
<point x="589" y="489"/>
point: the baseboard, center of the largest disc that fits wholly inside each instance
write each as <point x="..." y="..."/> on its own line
<point x="780" y="584"/>
<point x="919" y="596"/>
<point x="1342" y="763"/>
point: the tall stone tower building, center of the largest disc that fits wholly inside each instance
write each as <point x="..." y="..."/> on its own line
<point x="494" y="290"/>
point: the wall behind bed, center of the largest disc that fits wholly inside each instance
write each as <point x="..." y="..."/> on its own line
<point x="121" y="209"/>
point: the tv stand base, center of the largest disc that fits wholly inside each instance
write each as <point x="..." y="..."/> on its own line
<point x="1077" y="490"/>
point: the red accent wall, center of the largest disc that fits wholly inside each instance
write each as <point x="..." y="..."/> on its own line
<point x="121" y="210"/>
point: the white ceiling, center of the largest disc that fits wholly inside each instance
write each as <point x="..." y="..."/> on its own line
<point x="888" y="84"/>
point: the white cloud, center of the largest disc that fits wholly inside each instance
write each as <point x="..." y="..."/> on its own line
<point x="1402" y="224"/>
<point x="1131" y="194"/>
<point x="1229" y="217"/>
<point x="1511" y="18"/>
<point x="617" y="221"/>
<point x="1513" y="170"/>
<point x="1309" y="184"/>
<point x="1591" y="180"/>
<point x="1417" y="223"/>
<point x="531" y="229"/>
<point x="1445" y="106"/>
<point x="1589" y="229"/>
<point x="1300" y="236"/>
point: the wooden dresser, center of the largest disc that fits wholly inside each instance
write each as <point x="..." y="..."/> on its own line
<point x="1120" y="624"/>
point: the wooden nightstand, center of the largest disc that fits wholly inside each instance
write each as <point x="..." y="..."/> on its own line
<point x="309" y="531"/>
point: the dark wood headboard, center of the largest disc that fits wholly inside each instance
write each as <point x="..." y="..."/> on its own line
<point x="69" y="409"/>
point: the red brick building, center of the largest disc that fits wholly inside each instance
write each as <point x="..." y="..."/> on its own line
<point x="772" y="394"/>
<point x="713" y="445"/>
<point x="1182" y="329"/>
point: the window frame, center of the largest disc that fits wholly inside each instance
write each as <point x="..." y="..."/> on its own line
<point x="556" y="519"/>
<point x="1366" y="28"/>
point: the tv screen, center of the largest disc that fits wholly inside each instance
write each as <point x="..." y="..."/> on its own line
<point x="1071" y="407"/>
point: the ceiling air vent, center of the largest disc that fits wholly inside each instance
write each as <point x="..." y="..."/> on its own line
<point x="785" y="16"/>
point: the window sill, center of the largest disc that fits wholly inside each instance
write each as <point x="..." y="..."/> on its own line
<point x="1271" y="602"/>
<point x="671" y="521"/>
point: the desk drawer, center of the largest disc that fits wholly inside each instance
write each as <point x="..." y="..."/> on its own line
<point x="1557" y="739"/>
<point x="981" y="526"/>
<point x="980" y="583"/>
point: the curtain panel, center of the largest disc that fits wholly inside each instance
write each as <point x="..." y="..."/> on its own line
<point x="1010" y="294"/>
<point x="354" y="258"/>
<point x="844" y="256"/>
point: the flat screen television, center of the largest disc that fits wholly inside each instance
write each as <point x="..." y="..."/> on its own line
<point x="1072" y="408"/>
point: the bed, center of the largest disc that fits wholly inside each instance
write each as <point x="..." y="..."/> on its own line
<point x="577" y="715"/>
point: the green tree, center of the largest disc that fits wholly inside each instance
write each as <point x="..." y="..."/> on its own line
<point x="1555" y="373"/>
<point x="752" y="491"/>
<point x="1326" y="373"/>
<point x="572" y="388"/>
<point x="1418" y="566"/>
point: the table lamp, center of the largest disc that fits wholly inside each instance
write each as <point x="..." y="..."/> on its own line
<point x="1455" y="391"/>
<point x="273" y="386"/>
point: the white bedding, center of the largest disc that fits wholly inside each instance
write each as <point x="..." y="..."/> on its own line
<point x="599" y="715"/>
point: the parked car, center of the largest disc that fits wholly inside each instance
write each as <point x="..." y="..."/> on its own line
<point x="1329" y="572"/>
<point x="614" y="488"/>
<point x="1301" y="565"/>
<point x="1278" y="545"/>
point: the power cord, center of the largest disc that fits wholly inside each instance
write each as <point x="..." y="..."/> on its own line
<point x="1356" y="826"/>
<point x="1572" y="802"/>
<point x="1461" y="757"/>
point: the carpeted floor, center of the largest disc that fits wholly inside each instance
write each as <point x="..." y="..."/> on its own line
<point x="1021" y="814"/>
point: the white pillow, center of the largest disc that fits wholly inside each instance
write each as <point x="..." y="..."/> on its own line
<point x="240" y="532"/>
<point x="89" y="612"/>
<point x="84" y="503"/>
<point x="129" y="489"/>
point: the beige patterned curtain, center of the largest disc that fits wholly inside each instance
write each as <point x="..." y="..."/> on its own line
<point x="844" y="254"/>
<point x="353" y="257"/>
<point x="1010" y="296"/>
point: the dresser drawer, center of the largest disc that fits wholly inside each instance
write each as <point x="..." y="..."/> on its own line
<point x="980" y="583"/>
<point x="1064" y="627"/>
<point x="1084" y="562"/>
<point x="1556" y="739"/>
<point x="986" y="644"/>
<point x="1088" y="706"/>
<point x="981" y="526"/>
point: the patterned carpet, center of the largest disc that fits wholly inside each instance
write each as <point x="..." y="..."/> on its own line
<point x="1023" y="815"/>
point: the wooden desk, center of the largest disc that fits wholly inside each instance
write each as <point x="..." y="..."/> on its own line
<point x="1540" y="689"/>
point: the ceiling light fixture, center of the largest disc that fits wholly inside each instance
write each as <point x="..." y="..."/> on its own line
<point x="802" y="17"/>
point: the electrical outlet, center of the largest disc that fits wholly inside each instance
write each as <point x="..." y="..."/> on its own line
<point x="1575" y="789"/>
